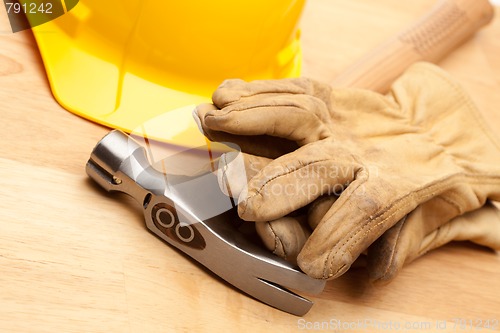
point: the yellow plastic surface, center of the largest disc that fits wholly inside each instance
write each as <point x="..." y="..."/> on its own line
<point x="123" y="63"/>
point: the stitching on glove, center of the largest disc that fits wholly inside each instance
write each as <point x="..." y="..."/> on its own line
<point x="296" y="82"/>
<point x="277" y="241"/>
<point x="429" y="189"/>
<point x="299" y="107"/>
<point x="423" y="193"/>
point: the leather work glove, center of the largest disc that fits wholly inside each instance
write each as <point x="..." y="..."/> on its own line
<point x="422" y="152"/>
<point x="398" y="246"/>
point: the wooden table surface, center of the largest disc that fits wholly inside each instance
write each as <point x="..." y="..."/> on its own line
<point x="75" y="260"/>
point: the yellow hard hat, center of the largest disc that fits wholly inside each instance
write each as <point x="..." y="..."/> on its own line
<point x="122" y="63"/>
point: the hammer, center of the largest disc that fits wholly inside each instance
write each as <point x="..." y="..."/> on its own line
<point x="192" y="215"/>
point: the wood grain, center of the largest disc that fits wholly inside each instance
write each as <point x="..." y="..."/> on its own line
<point x="75" y="259"/>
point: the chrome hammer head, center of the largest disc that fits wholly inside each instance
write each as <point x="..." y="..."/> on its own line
<point x="193" y="215"/>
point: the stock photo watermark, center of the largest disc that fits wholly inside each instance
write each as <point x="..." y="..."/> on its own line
<point x="454" y="324"/>
<point x="304" y="181"/>
<point x="26" y="14"/>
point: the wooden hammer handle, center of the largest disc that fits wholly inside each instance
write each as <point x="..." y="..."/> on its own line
<point x="447" y="25"/>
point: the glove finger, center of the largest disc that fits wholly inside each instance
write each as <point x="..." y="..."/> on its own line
<point x="319" y="208"/>
<point x="317" y="211"/>
<point x="296" y="179"/>
<point x="235" y="170"/>
<point x="300" y="118"/>
<point x="481" y="226"/>
<point x="363" y="212"/>
<point x="262" y="145"/>
<point x="285" y="236"/>
<point x="233" y="90"/>
<point x="388" y="253"/>
<point x="384" y="261"/>
<point x="199" y="117"/>
<point x="424" y="230"/>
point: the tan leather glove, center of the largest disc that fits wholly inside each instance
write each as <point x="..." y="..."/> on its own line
<point x="407" y="241"/>
<point x="284" y="236"/>
<point x="398" y="246"/>
<point x="424" y="146"/>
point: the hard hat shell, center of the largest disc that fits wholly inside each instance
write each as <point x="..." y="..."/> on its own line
<point x="123" y="62"/>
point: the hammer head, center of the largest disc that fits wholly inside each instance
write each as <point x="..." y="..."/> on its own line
<point x="192" y="214"/>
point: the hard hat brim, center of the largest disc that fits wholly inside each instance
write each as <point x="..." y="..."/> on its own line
<point x="99" y="90"/>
